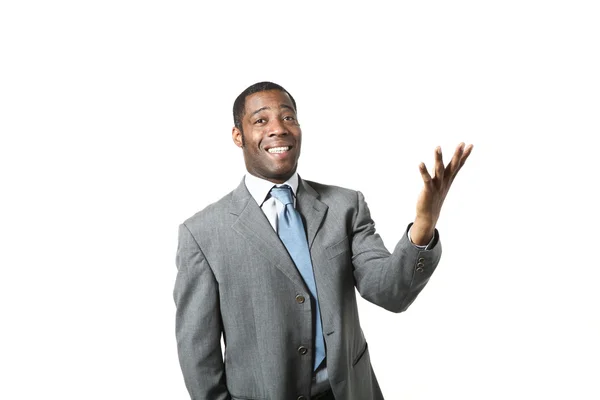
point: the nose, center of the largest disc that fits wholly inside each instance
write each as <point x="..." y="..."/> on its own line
<point x="277" y="128"/>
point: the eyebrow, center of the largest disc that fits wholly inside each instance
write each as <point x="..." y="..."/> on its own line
<point x="268" y="108"/>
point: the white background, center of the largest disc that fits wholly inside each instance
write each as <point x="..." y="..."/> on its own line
<point x="115" y="119"/>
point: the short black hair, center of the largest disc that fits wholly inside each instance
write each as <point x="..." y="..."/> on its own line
<point x="239" y="105"/>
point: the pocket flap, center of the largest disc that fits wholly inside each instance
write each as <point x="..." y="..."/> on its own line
<point x="338" y="248"/>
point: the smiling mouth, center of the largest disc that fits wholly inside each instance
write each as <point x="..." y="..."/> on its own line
<point x="278" y="150"/>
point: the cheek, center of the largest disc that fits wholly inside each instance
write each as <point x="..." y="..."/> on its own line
<point x="254" y="139"/>
<point x="253" y="151"/>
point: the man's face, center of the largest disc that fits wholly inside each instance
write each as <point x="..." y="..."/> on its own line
<point x="271" y="136"/>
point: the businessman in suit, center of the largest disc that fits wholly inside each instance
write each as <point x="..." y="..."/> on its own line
<point x="272" y="269"/>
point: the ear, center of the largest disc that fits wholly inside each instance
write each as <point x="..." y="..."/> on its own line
<point x="236" y="135"/>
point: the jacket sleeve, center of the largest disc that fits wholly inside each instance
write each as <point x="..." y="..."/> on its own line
<point x="394" y="280"/>
<point x="198" y="323"/>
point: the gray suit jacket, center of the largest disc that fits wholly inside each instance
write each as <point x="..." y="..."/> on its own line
<point x="236" y="279"/>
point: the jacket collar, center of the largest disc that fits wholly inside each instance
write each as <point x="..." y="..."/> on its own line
<point x="254" y="226"/>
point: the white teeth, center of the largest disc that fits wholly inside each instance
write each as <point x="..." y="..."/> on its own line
<point x="278" y="149"/>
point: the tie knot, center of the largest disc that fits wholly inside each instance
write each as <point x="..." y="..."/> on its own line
<point x="283" y="194"/>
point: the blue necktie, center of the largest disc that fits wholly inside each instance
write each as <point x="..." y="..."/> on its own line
<point x="291" y="232"/>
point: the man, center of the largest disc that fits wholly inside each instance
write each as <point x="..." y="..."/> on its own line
<point x="273" y="266"/>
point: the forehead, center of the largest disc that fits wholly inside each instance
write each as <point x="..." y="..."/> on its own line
<point x="268" y="99"/>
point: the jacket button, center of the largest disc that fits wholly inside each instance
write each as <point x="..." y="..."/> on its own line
<point x="302" y="350"/>
<point x="301" y="398"/>
<point x="421" y="259"/>
<point x="420" y="269"/>
<point x="300" y="299"/>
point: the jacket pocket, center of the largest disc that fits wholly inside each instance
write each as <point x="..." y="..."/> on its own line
<point x="234" y="397"/>
<point x="340" y="247"/>
<point x="360" y="355"/>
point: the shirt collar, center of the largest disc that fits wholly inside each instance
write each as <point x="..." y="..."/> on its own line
<point x="260" y="188"/>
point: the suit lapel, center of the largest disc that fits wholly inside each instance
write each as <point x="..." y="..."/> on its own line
<point x="254" y="226"/>
<point x="311" y="208"/>
<point x="314" y="212"/>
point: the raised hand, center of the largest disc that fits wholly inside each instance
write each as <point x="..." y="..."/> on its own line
<point x="431" y="199"/>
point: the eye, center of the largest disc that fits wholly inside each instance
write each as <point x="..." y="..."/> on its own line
<point x="259" y="121"/>
<point x="289" y="118"/>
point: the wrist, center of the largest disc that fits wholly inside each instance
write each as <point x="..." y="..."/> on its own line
<point x="422" y="231"/>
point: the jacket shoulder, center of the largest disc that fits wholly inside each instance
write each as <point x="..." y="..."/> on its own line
<point x="210" y="214"/>
<point x="333" y="192"/>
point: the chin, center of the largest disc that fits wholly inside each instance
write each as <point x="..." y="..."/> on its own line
<point x="280" y="175"/>
<point x="283" y="170"/>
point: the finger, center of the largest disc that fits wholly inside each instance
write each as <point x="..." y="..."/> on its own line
<point x="425" y="174"/>
<point x="454" y="164"/>
<point x="466" y="154"/>
<point x="439" y="164"/>
<point x="462" y="160"/>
